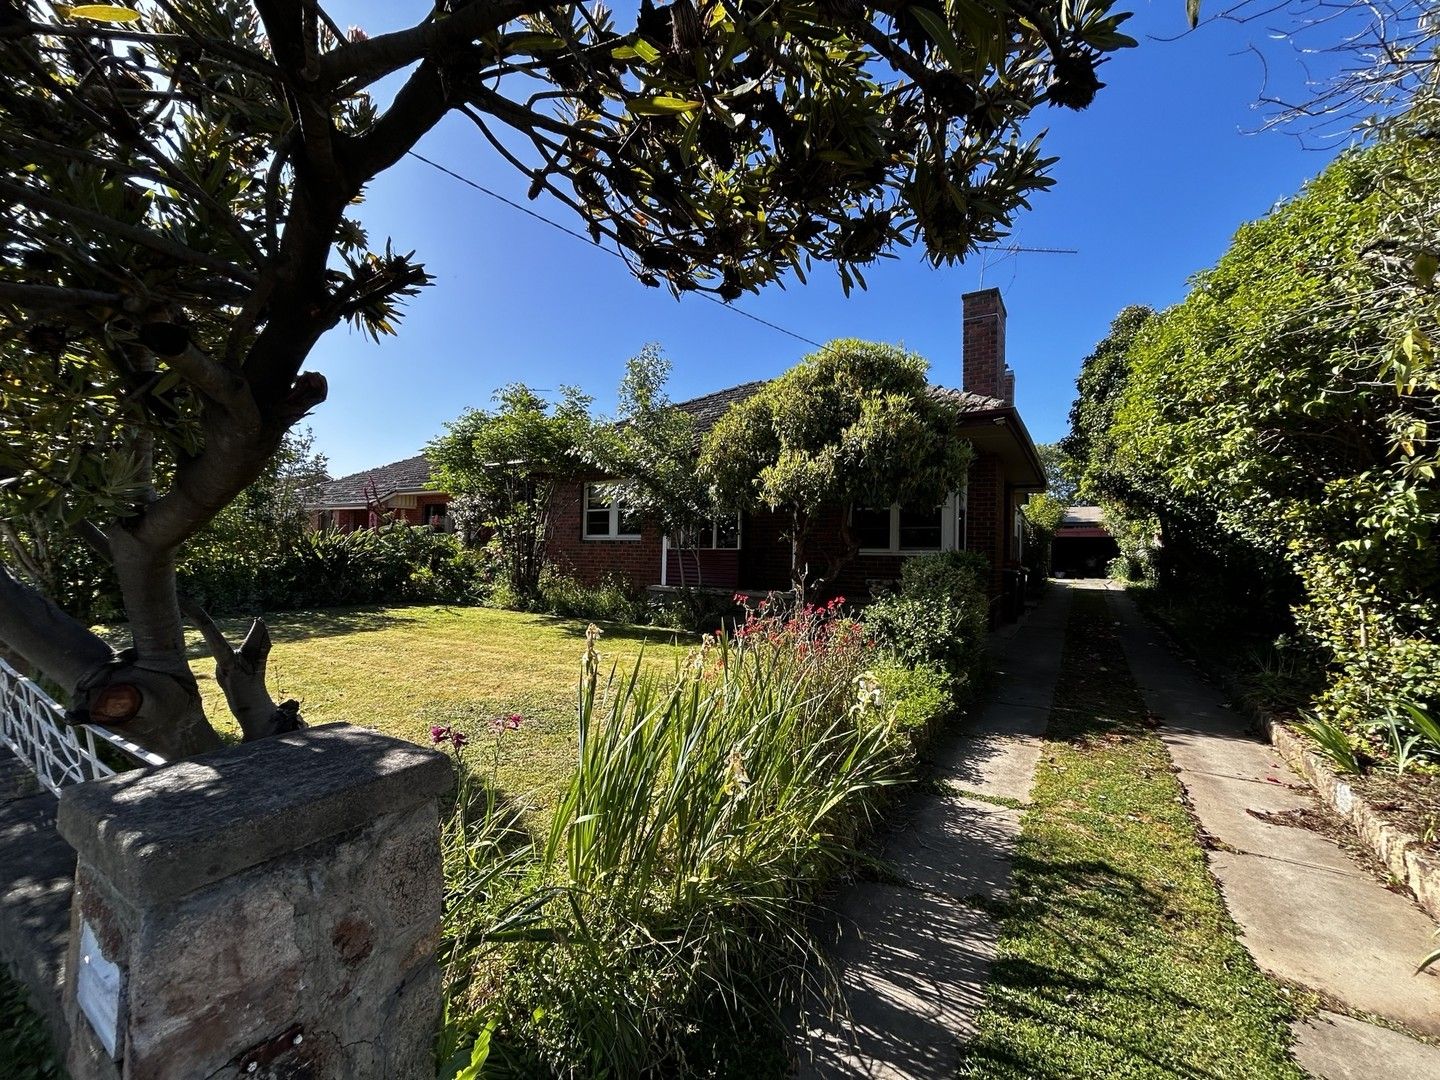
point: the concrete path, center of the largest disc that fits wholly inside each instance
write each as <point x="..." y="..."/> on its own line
<point x="915" y="952"/>
<point x="1309" y="914"/>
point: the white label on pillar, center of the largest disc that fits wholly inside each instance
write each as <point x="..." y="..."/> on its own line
<point x="97" y="990"/>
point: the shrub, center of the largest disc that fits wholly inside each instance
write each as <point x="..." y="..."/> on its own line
<point x="707" y="811"/>
<point x="323" y="569"/>
<point x="920" y="697"/>
<point x="614" y="599"/>
<point x="698" y="610"/>
<point x="940" y="614"/>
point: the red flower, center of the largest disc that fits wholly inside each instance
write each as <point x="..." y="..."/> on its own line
<point x="439" y="735"/>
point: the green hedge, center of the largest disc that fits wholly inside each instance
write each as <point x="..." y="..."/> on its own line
<point x="396" y="564"/>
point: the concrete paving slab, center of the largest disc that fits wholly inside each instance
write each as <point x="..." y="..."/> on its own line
<point x="913" y="969"/>
<point x="914" y="958"/>
<point x="1333" y="1046"/>
<point x="956" y="846"/>
<point x="1308" y="912"/>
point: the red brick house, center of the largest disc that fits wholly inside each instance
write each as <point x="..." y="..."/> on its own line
<point x="592" y="537"/>
<point x="400" y="491"/>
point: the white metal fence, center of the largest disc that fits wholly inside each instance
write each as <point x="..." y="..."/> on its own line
<point x="33" y="726"/>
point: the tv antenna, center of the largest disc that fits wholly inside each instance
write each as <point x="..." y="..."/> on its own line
<point x="1007" y="251"/>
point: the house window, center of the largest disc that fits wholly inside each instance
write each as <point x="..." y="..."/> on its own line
<point x="871" y="527"/>
<point x="898" y="529"/>
<point x="434" y="516"/>
<point x="718" y="534"/>
<point x="606" y="517"/>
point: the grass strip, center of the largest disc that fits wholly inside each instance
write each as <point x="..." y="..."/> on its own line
<point x="1117" y="957"/>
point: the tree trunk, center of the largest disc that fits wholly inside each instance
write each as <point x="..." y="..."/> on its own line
<point x="170" y="719"/>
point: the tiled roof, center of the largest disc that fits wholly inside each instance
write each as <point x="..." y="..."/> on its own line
<point x="708" y="409"/>
<point x="412" y="474"/>
<point x="965" y="401"/>
<point x="1084" y="515"/>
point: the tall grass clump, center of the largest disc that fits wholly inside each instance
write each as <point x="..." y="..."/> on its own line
<point x="707" y="811"/>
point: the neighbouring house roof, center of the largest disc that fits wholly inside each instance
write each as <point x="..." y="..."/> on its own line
<point x="411" y="476"/>
<point x="1084" y="515"/>
<point x="1082" y="522"/>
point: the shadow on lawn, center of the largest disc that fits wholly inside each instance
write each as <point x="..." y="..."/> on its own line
<point x="288" y="627"/>
<point x="1064" y="995"/>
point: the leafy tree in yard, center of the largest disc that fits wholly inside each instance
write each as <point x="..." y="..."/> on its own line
<point x="651" y="448"/>
<point x="179" y="183"/>
<point x="854" y="424"/>
<point x="507" y="463"/>
<point x="1289" y="408"/>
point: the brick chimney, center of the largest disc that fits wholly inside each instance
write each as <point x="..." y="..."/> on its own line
<point x="983" y="347"/>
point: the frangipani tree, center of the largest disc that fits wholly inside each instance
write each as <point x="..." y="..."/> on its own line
<point x="179" y="180"/>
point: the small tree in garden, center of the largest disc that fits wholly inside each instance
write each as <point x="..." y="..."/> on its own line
<point x="180" y="181"/>
<point x="854" y="424"/>
<point x="507" y="463"/>
<point x="651" y="451"/>
<point x="1043" y="515"/>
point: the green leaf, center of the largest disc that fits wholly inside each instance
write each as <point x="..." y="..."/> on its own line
<point x="1426" y="265"/>
<point x="98" y="12"/>
<point x="662" y="105"/>
<point x="939" y="32"/>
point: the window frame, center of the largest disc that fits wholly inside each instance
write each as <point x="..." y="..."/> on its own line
<point x="675" y="541"/>
<point x="952" y="538"/>
<point x="613" y="505"/>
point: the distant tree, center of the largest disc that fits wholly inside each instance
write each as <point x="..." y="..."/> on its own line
<point x="273" y="509"/>
<point x="1100" y="388"/>
<point x="507" y="464"/>
<point x="1062" y="473"/>
<point x="854" y="424"/>
<point x="180" y="179"/>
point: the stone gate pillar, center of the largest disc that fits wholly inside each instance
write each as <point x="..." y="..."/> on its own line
<point x="271" y="910"/>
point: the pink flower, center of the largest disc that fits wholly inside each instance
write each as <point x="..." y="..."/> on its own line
<point x="458" y="739"/>
<point x="439" y="735"/>
<point x="513" y="721"/>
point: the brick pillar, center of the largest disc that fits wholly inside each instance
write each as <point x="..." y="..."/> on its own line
<point x="1007" y="386"/>
<point x="983" y="343"/>
<point x="271" y="910"/>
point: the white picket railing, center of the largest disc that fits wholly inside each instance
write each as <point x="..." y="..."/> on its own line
<point x="33" y="726"/>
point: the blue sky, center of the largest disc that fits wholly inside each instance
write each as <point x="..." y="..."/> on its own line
<point x="1153" y="180"/>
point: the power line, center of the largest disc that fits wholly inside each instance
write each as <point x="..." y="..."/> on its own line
<point x="591" y="244"/>
<point x="1009" y="249"/>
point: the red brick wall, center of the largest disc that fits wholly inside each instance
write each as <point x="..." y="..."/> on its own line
<point x="983" y="343"/>
<point x="987" y="513"/>
<point x="638" y="561"/>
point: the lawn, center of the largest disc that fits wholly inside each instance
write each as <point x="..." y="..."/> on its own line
<point x="404" y="669"/>
<point x="1117" y="957"/>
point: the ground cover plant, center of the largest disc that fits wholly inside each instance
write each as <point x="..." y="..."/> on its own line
<point x="1117" y="956"/>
